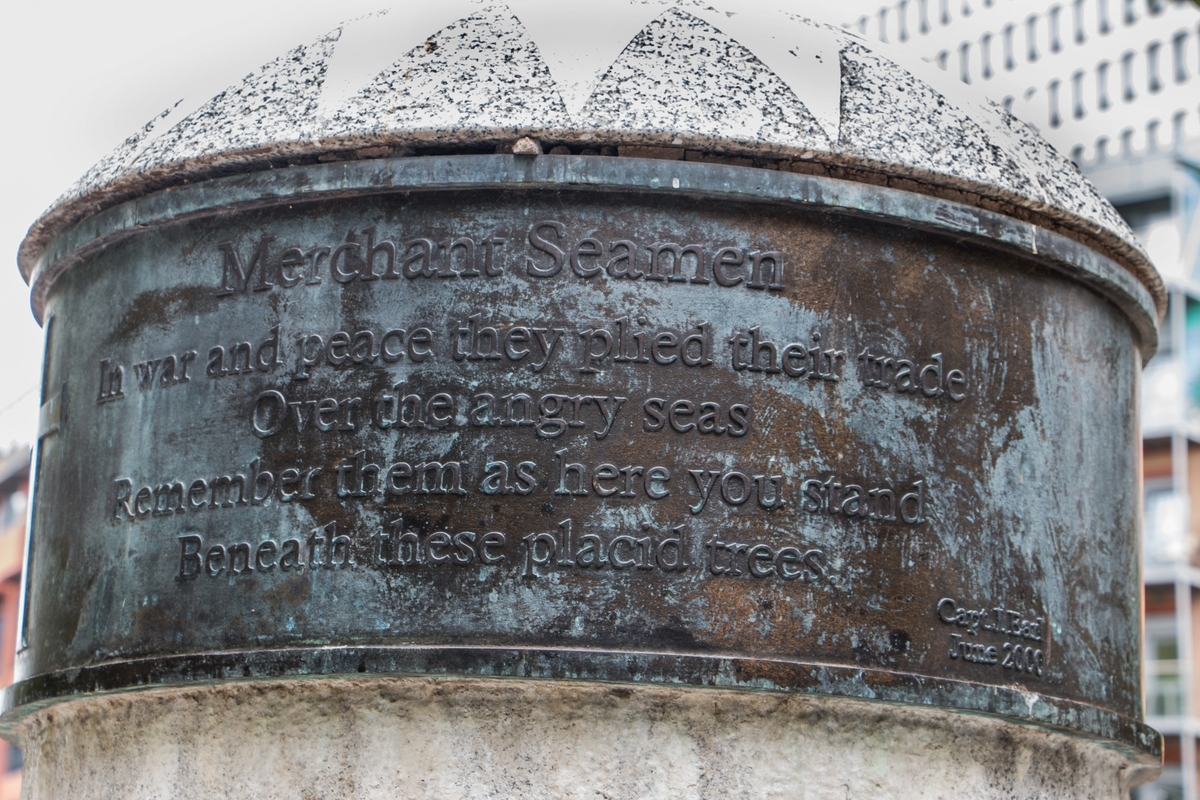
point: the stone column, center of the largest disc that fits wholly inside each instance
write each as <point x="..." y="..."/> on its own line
<point x="718" y="408"/>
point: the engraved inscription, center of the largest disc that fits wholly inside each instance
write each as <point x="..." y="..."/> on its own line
<point x="370" y="255"/>
<point x="245" y="357"/>
<point x="170" y="370"/>
<point x="760" y="560"/>
<point x="112" y="381"/>
<point x="754" y="352"/>
<point x="848" y="499"/>
<point x="563" y="549"/>
<point x="539" y="553"/>
<point x="699" y="416"/>
<point x="903" y="375"/>
<point x="997" y="637"/>
<point x="255" y="486"/>
<point x="477" y="341"/>
<point x="364" y="475"/>
<point x="368" y="347"/>
<point x="655" y="414"/>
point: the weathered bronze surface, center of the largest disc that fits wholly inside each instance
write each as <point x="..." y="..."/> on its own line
<point x="589" y="418"/>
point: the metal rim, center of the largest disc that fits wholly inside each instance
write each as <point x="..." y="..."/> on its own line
<point x="1133" y="738"/>
<point x="596" y="173"/>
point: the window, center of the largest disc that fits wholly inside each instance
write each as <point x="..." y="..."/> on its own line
<point x="1152" y="134"/>
<point x="985" y="55"/>
<point x="1102" y="101"/>
<point x="1128" y="93"/>
<point x="964" y="62"/>
<point x="1142" y="216"/>
<point x="1008" y="103"/>
<point x="1031" y="52"/>
<point x="1179" y="55"/>
<point x="942" y="59"/>
<point x="1052" y="95"/>
<point x="1166" y="329"/>
<point x="923" y="16"/>
<point x="1153" y="81"/>
<point x="1077" y="108"/>
<point x="1080" y="33"/>
<point x="1130" y="15"/>
<point x="1165" y="521"/>
<point x="945" y="15"/>
<point x="1168" y="786"/>
<point x="15" y="759"/>
<point x="1164" y="682"/>
<point x="902" y="20"/>
<point x="1010" y="61"/>
<point x="13" y="510"/>
<point x="1052" y="20"/>
<point x="1102" y="24"/>
<point x="1077" y="155"/>
<point x="883" y="13"/>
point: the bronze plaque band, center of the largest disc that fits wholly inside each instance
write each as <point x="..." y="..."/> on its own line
<point x="695" y="428"/>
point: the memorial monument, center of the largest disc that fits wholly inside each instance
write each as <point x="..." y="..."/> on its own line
<point x="663" y="401"/>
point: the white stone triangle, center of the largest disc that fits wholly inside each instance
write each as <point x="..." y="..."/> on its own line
<point x="153" y="130"/>
<point x="372" y="43"/>
<point x="965" y="99"/>
<point x="805" y="56"/>
<point x="577" y="63"/>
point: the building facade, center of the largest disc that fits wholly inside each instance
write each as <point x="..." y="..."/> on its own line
<point x="14" y="493"/>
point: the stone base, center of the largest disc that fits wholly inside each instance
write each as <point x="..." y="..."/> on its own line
<point x="344" y="739"/>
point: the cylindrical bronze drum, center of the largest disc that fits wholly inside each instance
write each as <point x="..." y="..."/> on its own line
<point x="717" y="407"/>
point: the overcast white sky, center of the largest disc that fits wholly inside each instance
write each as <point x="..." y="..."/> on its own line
<point x="79" y="77"/>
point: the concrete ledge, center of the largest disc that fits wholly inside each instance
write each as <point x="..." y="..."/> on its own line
<point x="458" y="738"/>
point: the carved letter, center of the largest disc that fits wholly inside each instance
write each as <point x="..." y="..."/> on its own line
<point x="538" y="242"/>
<point x="235" y="278"/>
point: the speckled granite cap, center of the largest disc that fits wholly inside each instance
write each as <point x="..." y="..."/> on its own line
<point x="684" y="80"/>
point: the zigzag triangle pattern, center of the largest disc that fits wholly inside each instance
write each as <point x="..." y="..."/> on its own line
<point x="734" y="79"/>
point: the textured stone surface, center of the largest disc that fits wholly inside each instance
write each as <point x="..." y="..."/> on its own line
<point x="429" y="738"/>
<point x="476" y="76"/>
